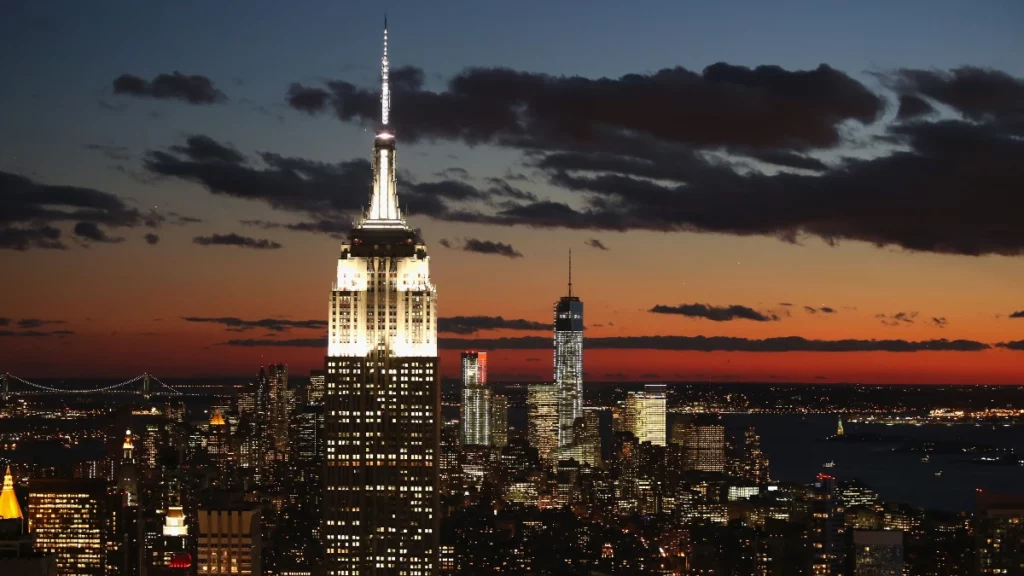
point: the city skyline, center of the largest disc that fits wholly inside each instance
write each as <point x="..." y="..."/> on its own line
<point x="915" y="284"/>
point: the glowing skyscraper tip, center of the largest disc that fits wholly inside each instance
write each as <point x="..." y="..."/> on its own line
<point x="385" y="90"/>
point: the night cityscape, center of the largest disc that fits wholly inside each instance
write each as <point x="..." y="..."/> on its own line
<point x="668" y="289"/>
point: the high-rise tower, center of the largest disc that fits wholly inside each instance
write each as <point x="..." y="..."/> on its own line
<point x="382" y="397"/>
<point x="568" y="361"/>
<point x="476" y="400"/>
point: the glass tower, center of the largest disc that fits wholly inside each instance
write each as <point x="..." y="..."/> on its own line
<point x="568" y="361"/>
<point x="382" y="396"/>
<point x="476" y="400"/>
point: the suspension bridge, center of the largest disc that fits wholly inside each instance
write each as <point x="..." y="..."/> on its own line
<point x="145" y="385"/>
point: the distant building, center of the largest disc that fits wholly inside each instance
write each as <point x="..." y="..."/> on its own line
<point x="755" y="463"/>
<point x="703" y="443"/>
<point x="499" y="420"/>
<point x="476" y="400"/>
<point x="69" y="520"/>
<point x="568" y="362"/>
<point x="279" y="398"/>
<point x="877" y="553"/>
<point x="542" y="413"/>
<point x="645" y="414"/>
<point x="230" y="541"/>
<point x="315" y="390"/>
<point x="999" y="533"/>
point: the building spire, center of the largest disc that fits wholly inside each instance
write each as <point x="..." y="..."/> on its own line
<point x="383" y="211"/>
<point x="385" y="89"/>
<point x="570" y="272"/>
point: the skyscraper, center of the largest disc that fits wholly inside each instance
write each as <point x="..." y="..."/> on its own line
<point x="568" y="361"/>
<point x="542" y="424"/>
<point x="476" y="400"/>
<point x="280" y="410"/>
<point x="230" y="541"/>
<point x="645" y="414"/>
<point x="69" y="519"/>
<point x="382" y="403"/>
<point x="499" y="420"/>
<point x="315" y="390"/>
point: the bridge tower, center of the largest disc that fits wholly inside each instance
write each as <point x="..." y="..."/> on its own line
<point x="145" y="386"/>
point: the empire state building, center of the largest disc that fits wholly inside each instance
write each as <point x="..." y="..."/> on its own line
<point x="382" y="397"/>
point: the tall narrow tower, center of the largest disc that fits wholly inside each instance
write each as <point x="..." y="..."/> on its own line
<point x="568" y="361"/>
<point x="382" y="397"/>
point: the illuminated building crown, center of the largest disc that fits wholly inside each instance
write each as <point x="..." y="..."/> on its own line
<point x="9" y="507"/>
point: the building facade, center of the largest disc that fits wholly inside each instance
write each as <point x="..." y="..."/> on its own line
<point x="382" y="397"/>
<point x="645" y="414"/>
<point x="542" y="419"/>
<point x="229" y="541"/>
<point x="69" y="519"/>
<point x="499" y="420"/>
<point x="476" y="400"/>
<point x="568" y="360"/>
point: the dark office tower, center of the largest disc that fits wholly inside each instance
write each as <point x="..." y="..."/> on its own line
<point x="256" y="450"/>
<point x="128" y="527"/>
<point x="999" y="534"/>
<point x="69" y="518"/>
<point x="449" y="467"/>
<point x="476" y="400"/>
<point x="877" y="553"/>
<point x="315" y="390"/>
<point x="382" y="402"/>
<point x="568" y="361"/>
<point x="279" y="398"/>
<point x="755" y="463"/>
<point x="828" y="528"/>
<point x="499" y="420"/>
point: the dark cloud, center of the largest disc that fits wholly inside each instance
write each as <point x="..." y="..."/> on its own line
<point x="38" y="322"/>
<point x="474" y="324"/>
<point x="152" y="239"/>
<point x="1017" y="314"/>
<point x="490" y="247"/>
<point x="290" y="343"/>
<point x="912" y="107"/>
<point x="1014" y="345"/>
<point x="273" y="324"/>
<point x="978" y="93"/>
<point x="897" y="319"/>
<point x="723" y="343"/>
<point x="92" y="232"/>
<point x="716" y="313"/>
<point x="445" y="242"/>
<point x="5" y="321"/>
<point x="823" y="310"/>
<point x="785" y="303"/>
<point x="453" y="172"/>
<point x="328" y="193"/>
<point x="193" y="89"/>
<point x="34" y="333"/>
<point x="595" y="243"/>
<point x="939" y="321"/>
<point x="111" y="152"/>
<point x="810" y="310"/>
<point x="201" y="148"/>
<point x="723" y="106"/>
<point x="233" y="239"/>
<point x="30" y="213"/>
